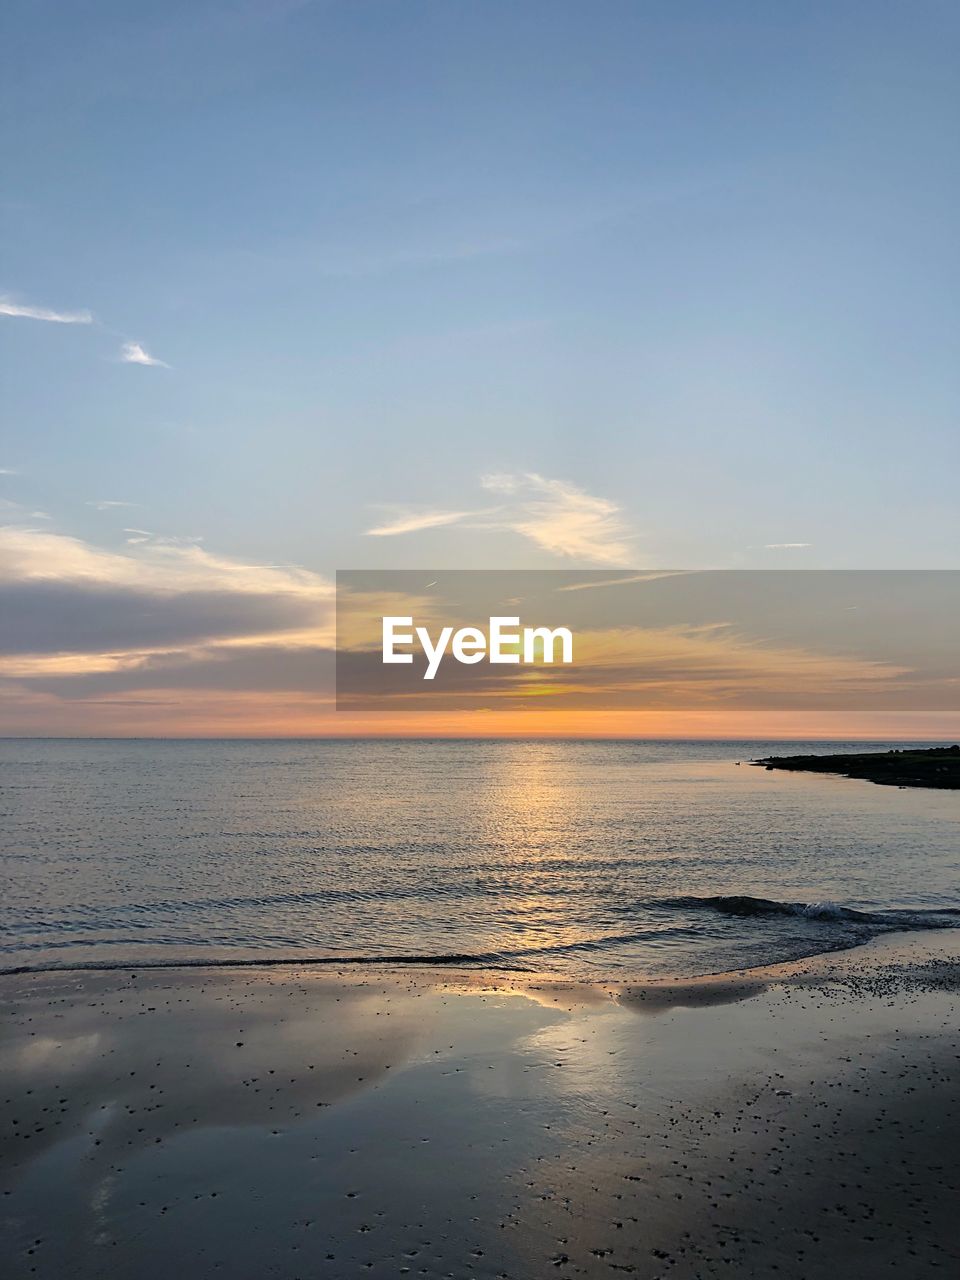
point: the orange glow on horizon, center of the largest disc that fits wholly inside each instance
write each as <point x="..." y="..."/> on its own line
<point x="290" y="715"/>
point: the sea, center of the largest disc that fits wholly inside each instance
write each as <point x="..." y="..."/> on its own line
<point x="583" y="859"/>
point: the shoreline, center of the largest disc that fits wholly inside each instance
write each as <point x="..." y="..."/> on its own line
<point x="936" y="768"/>
<point x="284" y="1122"/>
<point x="458" y="963"/>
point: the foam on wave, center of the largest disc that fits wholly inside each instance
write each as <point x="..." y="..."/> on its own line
<point x="894" y="918"/>
<point x="856" y="927"/>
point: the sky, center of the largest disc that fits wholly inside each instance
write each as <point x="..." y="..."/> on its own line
<point x="288" y="287"/>
<point x="722" y="653"/>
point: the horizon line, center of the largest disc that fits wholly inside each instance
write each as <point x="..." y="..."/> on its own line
<point x="445" y="737"/>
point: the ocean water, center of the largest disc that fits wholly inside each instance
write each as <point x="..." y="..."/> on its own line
<point x="587" y="859"/>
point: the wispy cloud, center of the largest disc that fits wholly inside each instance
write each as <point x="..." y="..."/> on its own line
<point x="555" y="515"/>
<point x="130" y="352"/>
<point x="562" y="518"/>
<point x="786" y="546"/>
<point x="133" y="353"/>
<point x="108" y="504"/>
<point x="413" y="522"/>
<point x="652" y="576"/>
<point x="17" y="511"/>
<point x="26" y="311"/>
<point x="168" y="564"/>
<point x="8" y="471"/>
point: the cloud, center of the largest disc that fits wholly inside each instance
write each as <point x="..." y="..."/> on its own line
<point x="108" y="504"/>
<point x="562" y="518"/>
<point x="133" y="353"/>
<point x="712" y="665"/>
<point x="120" y="626"/>
<point x="43" y="555"/>
<point x="557" y="516"/>
<point x="8" y="471"/>
<point x="652" y="576"/>
<point x="70" y="608"/>
<point x="412" y="522"/>
<point x="725" y="656"/>
<point x="130" y="352"/>
<point x="23" y="310"/>
<point x="17" y="511"/>
<point x="785" y="546"/>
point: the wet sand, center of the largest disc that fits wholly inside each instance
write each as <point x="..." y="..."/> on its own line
<point x="796" y="1122"/>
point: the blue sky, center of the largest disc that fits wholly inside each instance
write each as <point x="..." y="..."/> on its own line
<point x="538" y="284"/>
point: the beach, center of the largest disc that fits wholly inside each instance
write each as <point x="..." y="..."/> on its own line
<point x="479" y="691"/>
<point x="302" y="1009"/>
<point x="285" y="1121"/>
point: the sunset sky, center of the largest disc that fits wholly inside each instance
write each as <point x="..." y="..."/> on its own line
<point x="288" y="287"/>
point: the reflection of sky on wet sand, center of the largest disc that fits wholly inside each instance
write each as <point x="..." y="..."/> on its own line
<point x="471" y="1126"/>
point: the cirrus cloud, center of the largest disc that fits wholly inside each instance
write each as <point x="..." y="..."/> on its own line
<point x="26" y="311"/>
<point x="555" y="515"/>
<point x="413" y="522"/>
<point x="133" y="353"/>
<point x="130" y="352"/>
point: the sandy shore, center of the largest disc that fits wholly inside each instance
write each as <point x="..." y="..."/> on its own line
<point x="797" y="1122"/>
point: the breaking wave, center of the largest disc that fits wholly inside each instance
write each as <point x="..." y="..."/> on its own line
<point x="832" y="927"/>
<point x="890" y="920"/>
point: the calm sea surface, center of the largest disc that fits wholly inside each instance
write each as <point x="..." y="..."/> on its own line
<point x="582" y="858"/>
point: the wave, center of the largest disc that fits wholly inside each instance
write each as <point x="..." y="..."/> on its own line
<point x="464" y="959"/>
<point x="891" y="919"/>
<point x="509" y="958"/>
<point x="850" y="928"/>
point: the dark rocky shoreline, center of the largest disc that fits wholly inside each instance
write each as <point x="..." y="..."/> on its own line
<point x="927" y="767"/>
